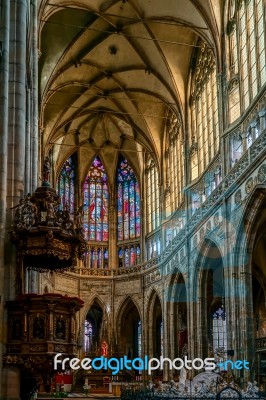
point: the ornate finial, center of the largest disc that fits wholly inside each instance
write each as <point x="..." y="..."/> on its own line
<point x="46" y="170"/>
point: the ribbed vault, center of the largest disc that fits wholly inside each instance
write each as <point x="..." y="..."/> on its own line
<point x="111" y="70"/>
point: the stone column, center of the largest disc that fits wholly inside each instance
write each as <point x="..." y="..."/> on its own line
<point x="16" y="128"/>
<point x="201" y="338"/>
<point x="172" y="329"/>
<point x="18" y="93"/>
<point x="230" y="293"/>
<point x="166" y="327"/>
<point x="253" y="128"/>
<point x="25" y="324"/>
<point x="262" y="116"/>
<point x="222" y="106"/>
<point x="4" y="76"/>
<point x="51" y="320"/>
<point x="34" y="98"/>
<point x="246" y="335"/>
<point x="27" y="181"/>
<point x="72" y="327"/>
<point x="112" y="262"/>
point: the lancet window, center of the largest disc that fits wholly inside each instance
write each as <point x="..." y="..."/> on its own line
<point x="152" y="193"/>
<point x="128" y="215"/>
<point x="66" y="184"/>
<point x="245" y="48"/>
<point x="204" y="113"/>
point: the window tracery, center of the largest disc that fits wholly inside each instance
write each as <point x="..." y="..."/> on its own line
<point x="246" y="72"/>
<point x="95" y="220"/>
<point x="219" y="333"/>
<point x="153" y="202"/>
<point x="88" y="334"/>
<point x="204" y="113"/>
<point x="66" y="184"/>
<point x="174" y="163"/>
<point x="128" y="215"/>
<point x="95" y="198"/>
<point x="154" y="245"/>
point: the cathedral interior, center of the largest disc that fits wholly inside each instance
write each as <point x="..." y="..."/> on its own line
<point x="132" y="186"/>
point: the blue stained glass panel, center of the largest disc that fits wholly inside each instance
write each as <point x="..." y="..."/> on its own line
<point x="128" y="202"/>
<point x="66" y="184"/>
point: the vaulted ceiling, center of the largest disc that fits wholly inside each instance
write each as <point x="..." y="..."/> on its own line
<point x="111" y="72"/>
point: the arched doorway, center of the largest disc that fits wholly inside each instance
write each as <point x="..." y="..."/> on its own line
<point x="93" y="329"/>
<point x="211" y="310"/>
<point x="259" y="303"/>
<point x="130" y="330"/>
<point x="177" y="308"/>
<point x="250" y="342"/>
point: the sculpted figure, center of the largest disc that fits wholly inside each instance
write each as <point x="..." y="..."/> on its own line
<point x="38" y="328"/>
<point x="68" y="223"/>
<point x="50" y="207"/>
<point x="79" y="219"/>
<point x="46" y="170"/>
<point x="60" y="330"/>
<point x="29" y="213"/>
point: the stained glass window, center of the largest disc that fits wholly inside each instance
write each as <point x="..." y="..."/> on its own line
<point x="175" y="161"/>
<point x="95" y="194"/>
<point x="66" y="184"/>
<point x="152" y="193"/>
<point x="128" y="202"/>
<point x="139" y="339"/>
<point x="161" y="335"/>
<point x="96" y="257"/>
<point x="246" y="72"/>
<point x="219" y="333"/>
<point x="88" y="333"/>
<point x="204" y="141"/>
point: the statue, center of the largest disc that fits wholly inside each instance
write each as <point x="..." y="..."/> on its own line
<point x="79" y="219"/>
<point x="26" y="213"/>
<point x="16" y="330"/>
<point x="183" y="376"/>
<point x="46" y="170"/>
<point x="29" y="213"/>
<point x="60" y="329"/>
<point x="67" y="222"/>
<point x="60" y="218"/>
<point x="38" y="328"/>
<point x="50" y="207"/>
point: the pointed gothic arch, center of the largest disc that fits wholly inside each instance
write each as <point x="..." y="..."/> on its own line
<point x="155" y="327"/>
<point x="178" y="310"/>
<point x="129" y="327"/>
<point x="210" y="307"/>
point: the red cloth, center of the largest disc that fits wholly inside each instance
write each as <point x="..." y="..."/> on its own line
<point x="64" y="379"/>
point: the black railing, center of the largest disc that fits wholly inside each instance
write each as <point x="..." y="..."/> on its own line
<point x="229" y="393"/>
